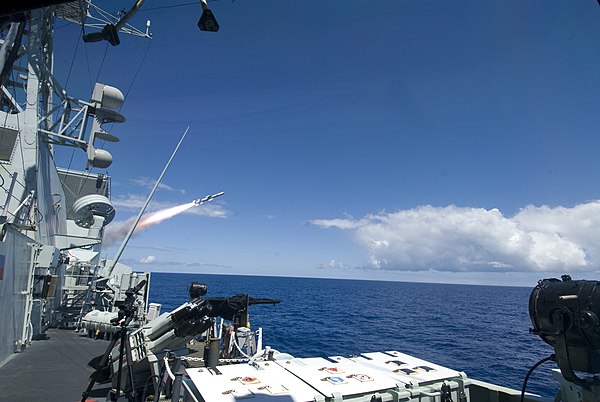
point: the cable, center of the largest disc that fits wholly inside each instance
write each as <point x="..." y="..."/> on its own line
<point x="137" y="71"/>
<point x="145" y="390"/>
<point x="102" y="62"/>
<point x="87" y="59"/>
<point x="171" y="6"/>
<point x="551" y="357"/>
<point x="73" y="58"/>
<point x="178" y="5"/>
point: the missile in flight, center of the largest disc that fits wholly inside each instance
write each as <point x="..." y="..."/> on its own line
<point x="200" y="201"/>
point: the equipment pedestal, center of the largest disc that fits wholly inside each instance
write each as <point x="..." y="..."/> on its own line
<point x="570" y="392"/>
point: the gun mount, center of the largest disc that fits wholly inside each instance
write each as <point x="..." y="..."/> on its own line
<point x="175" y="333"/>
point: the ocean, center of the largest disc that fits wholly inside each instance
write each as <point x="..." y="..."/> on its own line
<point x="481" y="330"/>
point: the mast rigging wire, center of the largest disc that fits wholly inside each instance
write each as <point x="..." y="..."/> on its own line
<point x="73" y="59"/>
<point x="137" y="71"/>
<point x="176" y="6"/>
<point x="102" y="62"/>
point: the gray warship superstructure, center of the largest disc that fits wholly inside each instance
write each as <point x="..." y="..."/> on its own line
<point x="52" y="219"/>
<point x="51" y="272"/>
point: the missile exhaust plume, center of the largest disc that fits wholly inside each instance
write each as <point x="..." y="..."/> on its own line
<point x="118" y="230"/>
<point x="159" y="216"/>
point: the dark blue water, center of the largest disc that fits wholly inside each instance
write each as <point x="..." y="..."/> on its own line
<point x="481" y="330"/>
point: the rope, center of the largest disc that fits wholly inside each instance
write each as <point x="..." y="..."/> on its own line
<point x="172" y="377"/>
<point x="238" y="347"/>
<point x="168" y="368"/>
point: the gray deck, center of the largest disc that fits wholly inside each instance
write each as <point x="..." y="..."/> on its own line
<point x="53" y="369"/>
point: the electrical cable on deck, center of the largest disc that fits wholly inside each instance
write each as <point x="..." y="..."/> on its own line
<point x="551" y="357"/>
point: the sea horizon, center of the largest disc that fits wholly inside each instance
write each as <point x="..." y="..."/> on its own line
<point x="344" y="279"/>
<point x="479" y="329"/>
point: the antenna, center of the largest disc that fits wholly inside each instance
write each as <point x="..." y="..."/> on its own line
<point x="137" y="220"/>
<point x="110" y="31"/>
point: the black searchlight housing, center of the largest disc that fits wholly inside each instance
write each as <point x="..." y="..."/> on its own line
<point x="565" y="314"/>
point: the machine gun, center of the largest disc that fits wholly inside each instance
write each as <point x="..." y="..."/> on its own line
<point x="169" y="333"/>
<point x="197" y="315"/>
<point x="235" y="308"/>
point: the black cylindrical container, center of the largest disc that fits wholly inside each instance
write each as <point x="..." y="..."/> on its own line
<point x="211" y="353"/>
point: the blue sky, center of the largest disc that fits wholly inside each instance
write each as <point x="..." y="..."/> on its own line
<point x="439" y="141"/>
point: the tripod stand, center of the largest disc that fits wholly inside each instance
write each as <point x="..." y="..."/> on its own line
<point x="125" y="316"/>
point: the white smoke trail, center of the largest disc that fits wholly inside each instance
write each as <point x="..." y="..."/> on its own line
<point x="159" y="216"/>
<point x="118" y="230"/>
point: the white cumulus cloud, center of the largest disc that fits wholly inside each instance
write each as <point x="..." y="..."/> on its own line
<point x="455" y="238"/>
<point x="148" y="260"/>
<point x="149" y="183"/>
